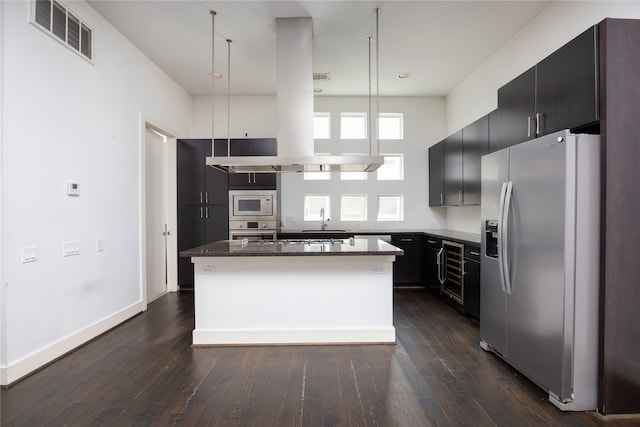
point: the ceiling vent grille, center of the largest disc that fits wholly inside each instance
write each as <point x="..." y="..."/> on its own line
<point x="321" y="76"/>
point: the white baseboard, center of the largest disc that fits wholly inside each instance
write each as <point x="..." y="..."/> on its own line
<point x="45" y="355"/>
<point x="294" y="336"/>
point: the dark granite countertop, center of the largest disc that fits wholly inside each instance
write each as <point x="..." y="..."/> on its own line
<point x="461" y="236"/>
<point x="235" y="248"/>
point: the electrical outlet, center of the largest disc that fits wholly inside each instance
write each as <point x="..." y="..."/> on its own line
<point x="29" y="254"/>
<point x="377" y="269"/>
<point x="71" y="248"/>
<point x="208" y="269"/>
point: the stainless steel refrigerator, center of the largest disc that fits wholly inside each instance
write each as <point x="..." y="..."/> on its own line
<point x="540" y="263"/>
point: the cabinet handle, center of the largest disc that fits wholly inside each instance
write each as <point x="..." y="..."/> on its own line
<point x="206" y="210"/>
<point x="529" y="127"/>
<point x="432" y="241"/>
<point x="201" y="197"/>
<point x="201" y="215"/>
<point x="474" y="253"/>
<point x="206" y="197"/>
<point x="459" y="196"/>
<point x="249" y="178"/>
<point x="254" y="177"/>
<point x="442" y="198"/>
<point x="538" y="117"/>
<point x="406" y="240"/>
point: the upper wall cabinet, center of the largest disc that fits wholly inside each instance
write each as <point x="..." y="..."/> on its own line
<point x="249" y="147"/>
<point x="475" y="144"/>
<point x="558" y="93"/>
<point x="198" y="183"/>
<point x="454" y="166"/>
<point x="436" y="174"/>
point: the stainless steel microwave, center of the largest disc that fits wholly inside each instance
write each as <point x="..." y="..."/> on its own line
<point x="259" y="205"/>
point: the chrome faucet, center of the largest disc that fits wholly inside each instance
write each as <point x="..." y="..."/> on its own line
<point x="324" y="224"/>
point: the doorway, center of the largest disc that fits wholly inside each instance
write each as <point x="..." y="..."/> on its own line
<point x="157" y="223"/>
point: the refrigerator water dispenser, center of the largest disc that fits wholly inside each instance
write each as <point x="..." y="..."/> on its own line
<point x="491" y="231"/>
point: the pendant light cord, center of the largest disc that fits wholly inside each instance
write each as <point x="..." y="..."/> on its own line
<point x="377" y="11"/>
<point x="229" y="97"/>
<point x="370" y="108"/>
<point x="213" y="79"/>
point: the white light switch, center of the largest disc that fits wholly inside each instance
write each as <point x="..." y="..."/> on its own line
<point x="29" y="254"/>
<point x="209" y="269"/>
<point x="99" y="245"/>
<point x="71" y="248"/>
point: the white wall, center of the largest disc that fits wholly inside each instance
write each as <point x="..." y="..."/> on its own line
<point x="477" y="94"/>
<point x="424" y="125"/>
<point x="251" y="116"/>
<point x="65" y="119"/>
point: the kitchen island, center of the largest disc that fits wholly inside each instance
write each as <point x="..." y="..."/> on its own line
<point x="293" y="292"/>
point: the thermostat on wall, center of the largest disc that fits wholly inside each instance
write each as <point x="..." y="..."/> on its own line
<point x="73" y="189"/>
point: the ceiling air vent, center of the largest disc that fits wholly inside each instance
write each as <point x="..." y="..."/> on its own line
<point x="321" y="76"/>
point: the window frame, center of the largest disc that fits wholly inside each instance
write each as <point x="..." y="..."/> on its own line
<point x="364" y="213"/>
<point x="400" y="216"/>
<point x="400" y="116"/>
<point x="354" y="115"/>
<point x="401" y="172"/>
<point x="318" y="217"/>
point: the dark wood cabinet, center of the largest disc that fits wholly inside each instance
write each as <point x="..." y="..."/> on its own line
<point x="560" y="92"/>
<point x="475" y="144"/>
<point x="203" y="202"/>
<point x="454" y="166"/>
<point x="566" y="85"/>
<point x="493" y="131"/>
<point x="516" y="110"/>
<point x="472" y="280"/>
<point x="408" y="268"/>
<point x="432" y="248"/>
<point x="436" y="174"/>
<point x="249" y="147"/>
<point x="453" y="169"/>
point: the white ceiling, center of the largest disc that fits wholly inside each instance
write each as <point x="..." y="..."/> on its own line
<point x="437" y="42"/>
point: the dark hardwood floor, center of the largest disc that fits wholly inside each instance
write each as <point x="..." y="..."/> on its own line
<point x="145" y="373"/>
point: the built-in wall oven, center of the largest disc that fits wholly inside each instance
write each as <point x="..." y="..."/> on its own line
<point x="252" y="214"/>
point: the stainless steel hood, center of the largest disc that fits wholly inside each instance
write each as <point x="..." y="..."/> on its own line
<point x="294" y="72"/>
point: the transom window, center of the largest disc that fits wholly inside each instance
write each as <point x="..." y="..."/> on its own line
<point x="353" y="207"/>
<point x="390" y="208"/>
<point x="315" y="205"/>
<point x="390" y="126"/>
<point x="322" y="126"/>
<point x="353" y="125"/>
<point x="392" y="169"/>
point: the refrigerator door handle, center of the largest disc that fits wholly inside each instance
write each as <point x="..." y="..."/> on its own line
<point x="503" y="193"/>
<point x="505" y="239"/>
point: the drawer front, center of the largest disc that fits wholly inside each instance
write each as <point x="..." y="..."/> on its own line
<point x="433" y="242"/>
<point x="472" y="252"/>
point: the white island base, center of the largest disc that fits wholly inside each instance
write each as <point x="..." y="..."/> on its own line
<point x="293" y="300"/>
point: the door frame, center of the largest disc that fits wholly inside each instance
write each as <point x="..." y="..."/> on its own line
<point x="171" y="201"/>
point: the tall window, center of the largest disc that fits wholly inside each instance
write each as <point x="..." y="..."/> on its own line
<point x="353" y="126"/>
<point x="314" y="205"/>
<point x="53" y="18"/>
<point x="392" y="169"/>
<point x="353" y="207"/>
<point x="321" y="125"/>
<point x="390" y="208"/>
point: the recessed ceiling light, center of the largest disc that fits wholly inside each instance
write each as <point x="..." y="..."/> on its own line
<point x="403" y="76"/>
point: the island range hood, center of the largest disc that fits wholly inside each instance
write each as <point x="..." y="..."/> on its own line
<point x="294" y="62"/>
